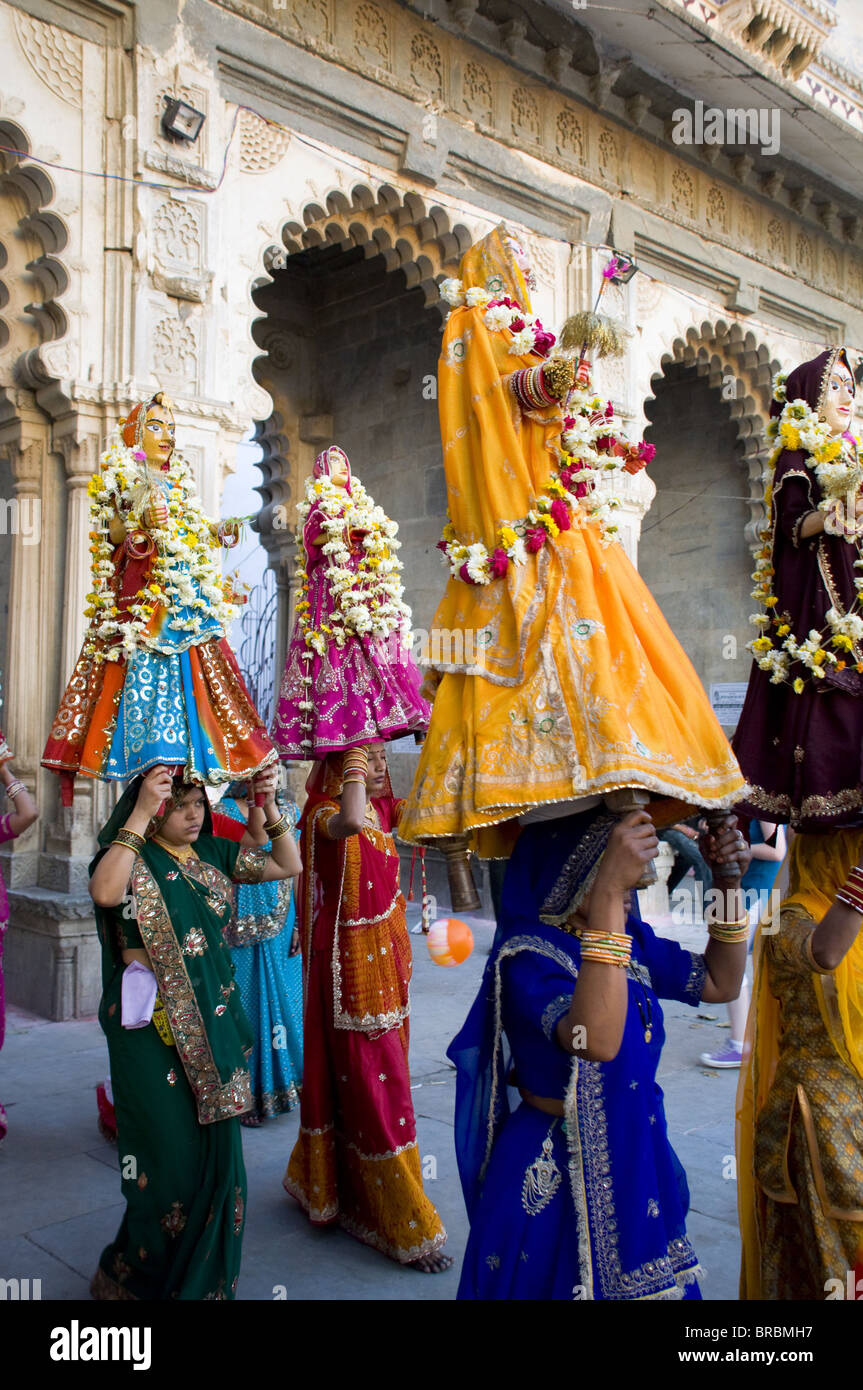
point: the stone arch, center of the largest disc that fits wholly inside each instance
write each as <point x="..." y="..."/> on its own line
<point x="708" y="408"/>
<point x="721" y="351"/>
<point x="33" y="277"/>
<point x="413" y="238"/>
<point x="356" y="272"/>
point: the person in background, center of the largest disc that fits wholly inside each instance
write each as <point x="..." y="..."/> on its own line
<point x="683" y="840"/>
<point x="12" y="824"/>
<point x="265" y="946"/>
<point x="767" y="842"/>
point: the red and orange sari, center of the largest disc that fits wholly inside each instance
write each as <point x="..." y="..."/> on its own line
<point x="356" y="1160"/>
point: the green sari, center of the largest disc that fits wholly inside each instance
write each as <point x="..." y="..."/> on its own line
<point x="178" y="1092"/>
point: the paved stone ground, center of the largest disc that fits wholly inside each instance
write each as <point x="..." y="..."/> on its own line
<point x="59" y="1186"/>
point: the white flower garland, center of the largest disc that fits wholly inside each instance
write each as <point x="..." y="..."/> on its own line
<point x="501" y="312"/>
<point x="368" y="598"/>
<point x="183" y="552"/>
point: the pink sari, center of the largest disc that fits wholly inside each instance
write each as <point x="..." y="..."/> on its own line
<point x="366" y="690"/>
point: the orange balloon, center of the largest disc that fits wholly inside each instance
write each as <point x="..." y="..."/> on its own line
<point x="449" y="941"/>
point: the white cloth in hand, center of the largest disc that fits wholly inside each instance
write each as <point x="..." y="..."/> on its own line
<point x="138" y="994"/>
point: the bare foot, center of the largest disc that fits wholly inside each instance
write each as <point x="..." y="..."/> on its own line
<point x="252" y="1121"/>
<point x="435" y="1263"/>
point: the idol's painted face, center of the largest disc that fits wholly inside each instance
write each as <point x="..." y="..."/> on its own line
<point x="338" y="467"/>
<point x="838" y="399"/>
<point x="158" y="435"/>
<point x="184" y="824"/>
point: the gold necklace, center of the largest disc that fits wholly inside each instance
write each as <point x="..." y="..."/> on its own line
<point x="182" y="852"/>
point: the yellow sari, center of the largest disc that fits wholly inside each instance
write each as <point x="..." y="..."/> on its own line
<point x="800" y="1098"/>
<point x="562" y="679"/>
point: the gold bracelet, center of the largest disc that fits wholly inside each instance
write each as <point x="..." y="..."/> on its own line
<point x="356" y="760"/>
<point x="604" y="957"/>
<point x="129" y="839"/>
<point x="728" y="937"/>
<point x="275" y="832"/>
<point x="14" y="789"/>
<point x="353" y="777"/>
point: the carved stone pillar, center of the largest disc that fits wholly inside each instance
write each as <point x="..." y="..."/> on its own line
<point x="81" y="457"/>
<point x="25" y="655"/>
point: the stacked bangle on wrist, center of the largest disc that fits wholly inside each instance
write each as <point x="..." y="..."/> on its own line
<point x="129" y="839"/>
<point x="355" y="766"/>
<point x="530" y="389"/>
<point x="851" y="892"/>
<point x="278" y="828"/>
<point x="15" y="789"/>
<point x="729" y="933"/>
<point x="608" y="947"/>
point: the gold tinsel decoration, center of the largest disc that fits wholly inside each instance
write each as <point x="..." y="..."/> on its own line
<point x="598" y="334"/>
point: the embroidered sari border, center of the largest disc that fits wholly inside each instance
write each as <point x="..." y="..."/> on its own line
<point x="215" y="1099"/>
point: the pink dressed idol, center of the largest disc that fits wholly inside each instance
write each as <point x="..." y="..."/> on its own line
<point x="349" y="676"/>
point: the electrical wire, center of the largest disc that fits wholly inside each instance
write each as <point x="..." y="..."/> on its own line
<point x="440" y="199"/>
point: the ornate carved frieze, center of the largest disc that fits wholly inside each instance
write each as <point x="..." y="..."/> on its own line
<point x="437" y="66"/>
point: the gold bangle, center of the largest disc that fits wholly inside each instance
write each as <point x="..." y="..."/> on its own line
<point x="604" y="958"/>
<point x="728" y="938"/>
<point x="353" y="777"/>
<point x="129" y="839"/>
<point x="14" y="789"/>
<point x="275" y="832"/>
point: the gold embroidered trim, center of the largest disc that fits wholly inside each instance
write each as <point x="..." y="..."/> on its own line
<point x="251" y="865"/>
<point x="216" y="1100"/>
<point x="811" y="807"/>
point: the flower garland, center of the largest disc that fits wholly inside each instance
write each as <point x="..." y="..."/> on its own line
<point x="183" y="572"/>
<point x="835" y="463"/>
<point x="367" y="597"/>
<point x="501" y="312"/>
<point x="591" y="444"/>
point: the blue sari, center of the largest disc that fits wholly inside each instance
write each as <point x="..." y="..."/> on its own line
<point x="591" y="1205"/>
<point x="270" y="981"/>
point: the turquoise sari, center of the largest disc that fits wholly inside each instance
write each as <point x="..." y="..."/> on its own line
<point x="270" y="981"/>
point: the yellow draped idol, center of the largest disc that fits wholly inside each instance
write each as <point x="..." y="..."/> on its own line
<point x="561" y="679"/>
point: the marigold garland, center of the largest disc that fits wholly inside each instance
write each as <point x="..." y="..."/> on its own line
<point x="836" y="465"/>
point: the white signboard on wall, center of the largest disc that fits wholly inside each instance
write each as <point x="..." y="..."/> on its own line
<point x="726" y="701"/>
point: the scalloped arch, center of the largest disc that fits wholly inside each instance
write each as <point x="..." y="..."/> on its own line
<point x="715" y="350"/>
<point x="34" y="225"/>
<point x="411" y="235"/>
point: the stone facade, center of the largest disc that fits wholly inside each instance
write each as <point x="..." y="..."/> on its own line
<point x="281" y="272"/>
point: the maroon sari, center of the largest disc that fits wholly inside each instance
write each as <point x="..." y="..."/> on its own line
<point x="803" y="754"/>
<point x="356" y="1160"/>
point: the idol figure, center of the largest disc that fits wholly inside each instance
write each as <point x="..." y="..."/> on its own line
<point x="156" y="682"/>
<point x="349" y="675"/>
